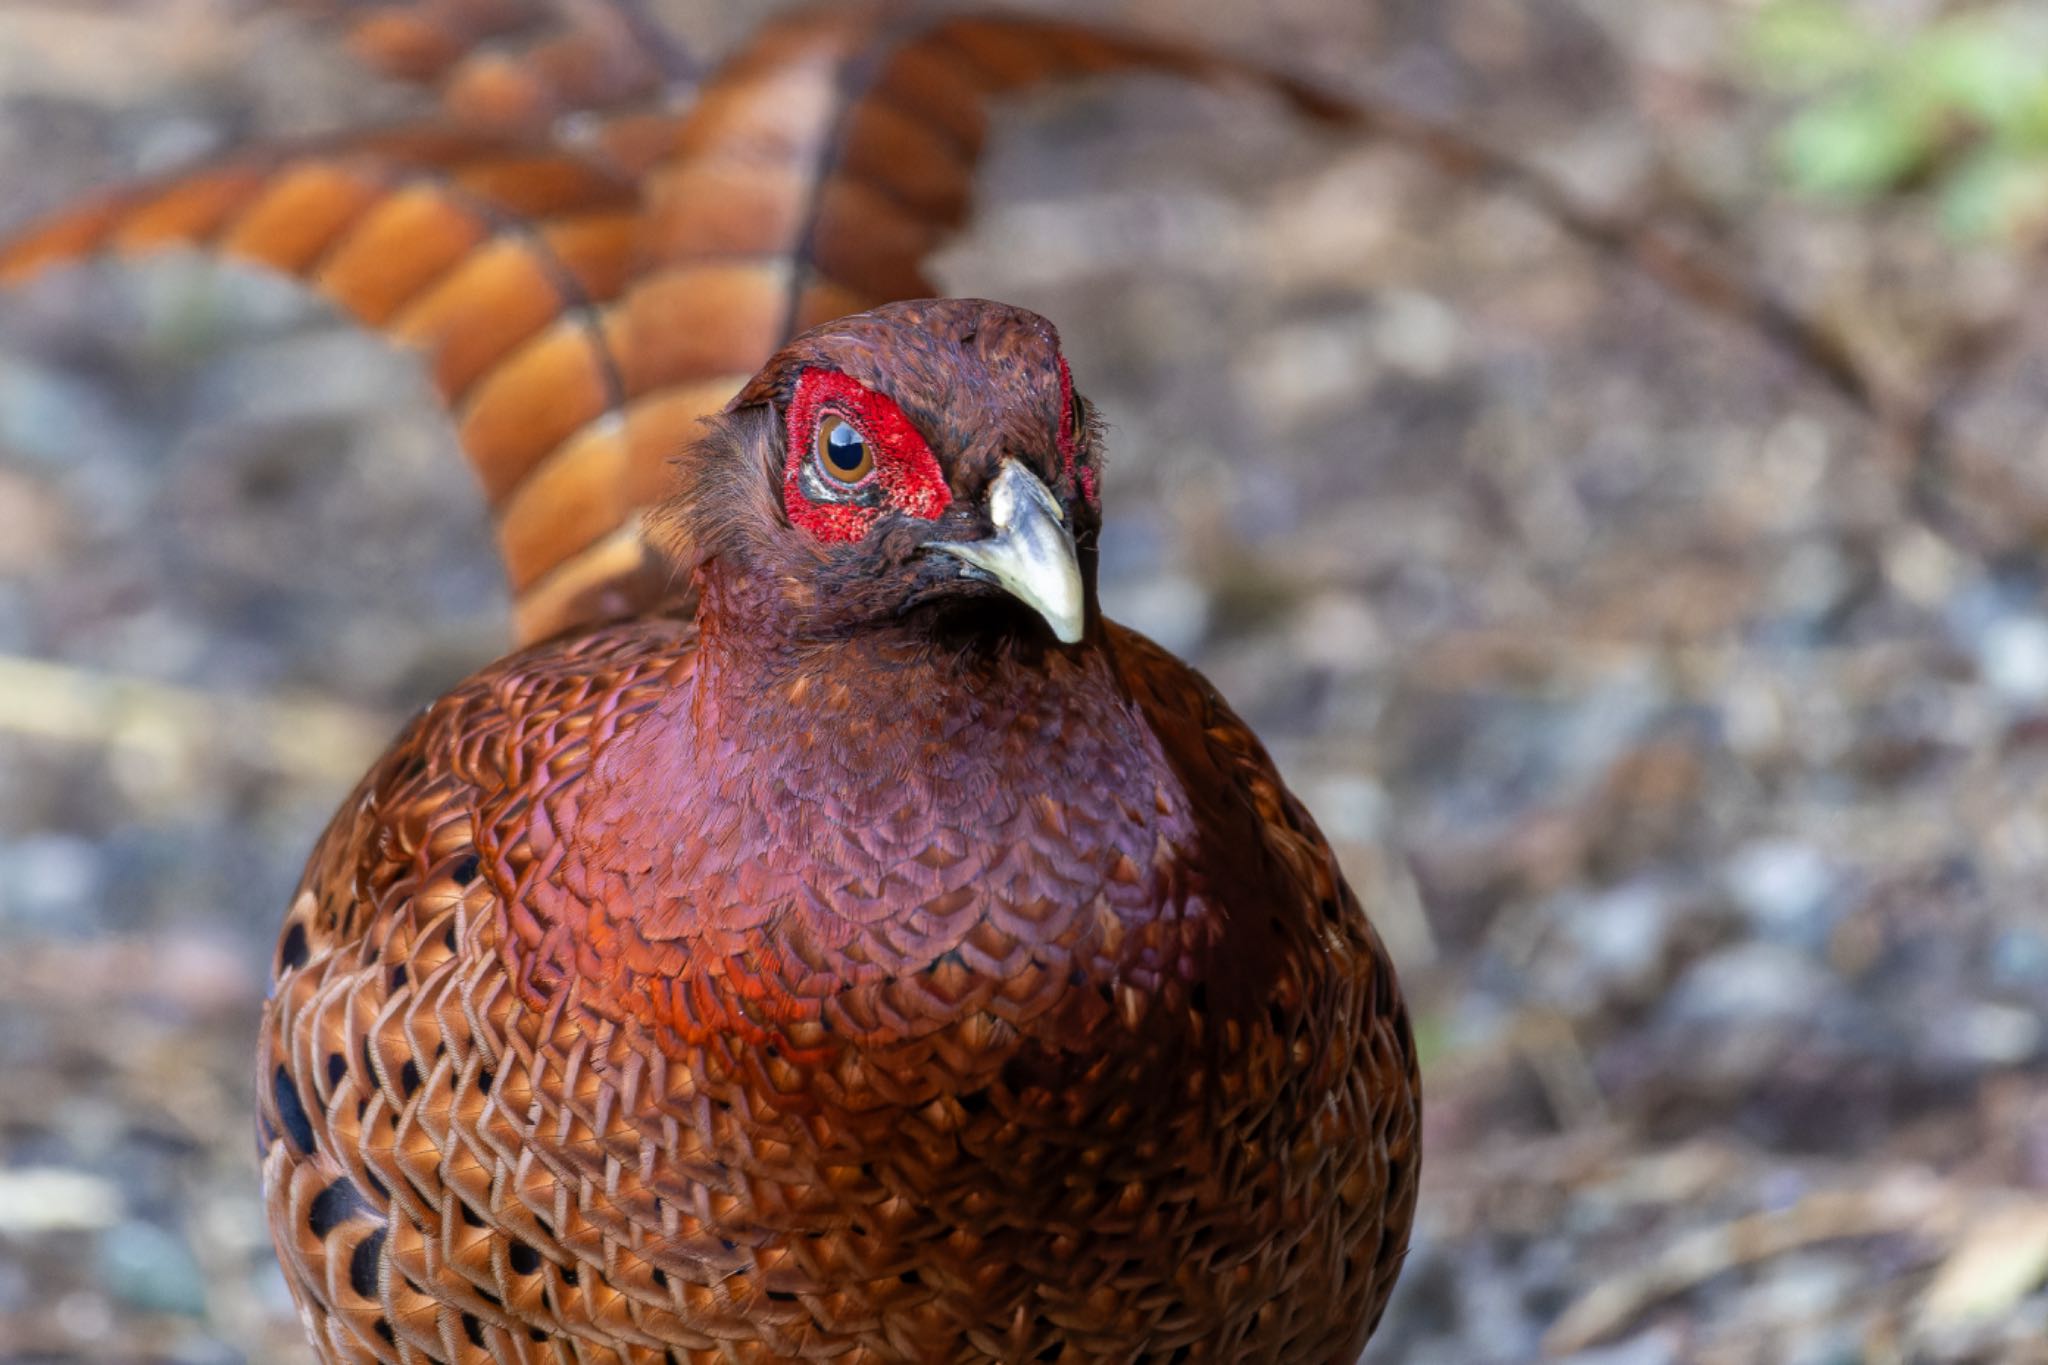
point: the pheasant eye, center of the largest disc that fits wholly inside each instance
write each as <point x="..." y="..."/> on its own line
<point x="842" y="451"/>
<point x="1077" y="419"/>
<point x="853" y="457"/>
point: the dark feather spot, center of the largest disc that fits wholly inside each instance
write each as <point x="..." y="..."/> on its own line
<point x="484" y="1079"/>
<point x="384" y="1330"/>
<point x="409" y="1079"/>
<point x="466" y="870"/>
<point x="337" y="1067"/>
<point x="469" y="1215"/>
<point x="333" y="1206"/>
<point x="293" y="951"/>
<point x="661" y="1277"/>
<point x="398" y="977"/>
<point x="569" y="1275"/>
<point x="473" y="1329"/>
<point x="362" y="1264"/>
<point x="291" y="1113"/>
<point x="525" y="1260"/>
<point x="536" y="1334"/>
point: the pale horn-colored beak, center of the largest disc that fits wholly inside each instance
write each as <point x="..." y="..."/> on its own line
<point x="1031" y="555"/>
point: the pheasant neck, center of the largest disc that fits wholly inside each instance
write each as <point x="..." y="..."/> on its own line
<point x="759" y="662"/>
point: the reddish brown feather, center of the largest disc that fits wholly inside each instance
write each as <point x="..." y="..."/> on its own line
<point x="512" y="66"/>
<point x="668" y="995"/>
<point x="754" y="1144"/>
<point x="462" y="245"/>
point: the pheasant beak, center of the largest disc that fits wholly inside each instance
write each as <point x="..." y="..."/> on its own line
<point x="1031" y="555"/>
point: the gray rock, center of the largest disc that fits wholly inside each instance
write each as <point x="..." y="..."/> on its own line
<point x="1980" y="1034"/>
<point x="150" y="1268"/>
<point x="2012" y="657"/>
<point x="2019" y="961"/>
<point x="1606" y="944"/>
<point x="49" y="883"/>
<point x="1658" y="1346"/>
<point x="1751" y="983"/>
<point x="1784" y="887"/>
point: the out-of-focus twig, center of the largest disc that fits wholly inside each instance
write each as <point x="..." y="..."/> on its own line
<point x="1967" y="498"/>
<point x="1938" y="459"/>
<point x="1897" y="1206"/>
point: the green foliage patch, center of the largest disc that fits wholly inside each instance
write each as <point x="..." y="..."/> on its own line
<point x="1957" y="107"/>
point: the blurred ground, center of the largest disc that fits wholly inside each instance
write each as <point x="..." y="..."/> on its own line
<point x="1694" y="782"/>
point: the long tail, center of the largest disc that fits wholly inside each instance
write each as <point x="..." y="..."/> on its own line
<point x="584" y="308"/>
<point x="494" y="260"/>
<point x="517" y="66"/>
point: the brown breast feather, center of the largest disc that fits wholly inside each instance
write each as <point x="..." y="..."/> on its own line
<point x="792" y="1048"/>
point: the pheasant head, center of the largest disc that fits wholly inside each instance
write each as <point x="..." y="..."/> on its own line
<point x="926" y="465"/>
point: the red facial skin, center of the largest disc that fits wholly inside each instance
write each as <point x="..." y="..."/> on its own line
<point x="909" y="475"/>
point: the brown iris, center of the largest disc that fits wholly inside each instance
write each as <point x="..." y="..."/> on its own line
<point x="842" y="451"/>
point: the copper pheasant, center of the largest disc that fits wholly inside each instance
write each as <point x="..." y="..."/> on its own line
<point x="839" y="942"/>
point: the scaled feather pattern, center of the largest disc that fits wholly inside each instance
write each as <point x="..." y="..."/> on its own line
<point x="800" y="953"/>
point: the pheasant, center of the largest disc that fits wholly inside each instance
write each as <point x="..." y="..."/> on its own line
<point x="833" y="939"/>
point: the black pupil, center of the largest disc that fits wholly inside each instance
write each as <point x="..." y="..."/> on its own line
<point x="845" y="448"/>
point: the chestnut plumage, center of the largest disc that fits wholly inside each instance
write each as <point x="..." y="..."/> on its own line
<point x="848" y="971"/>
<point x="855" y="948"/>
